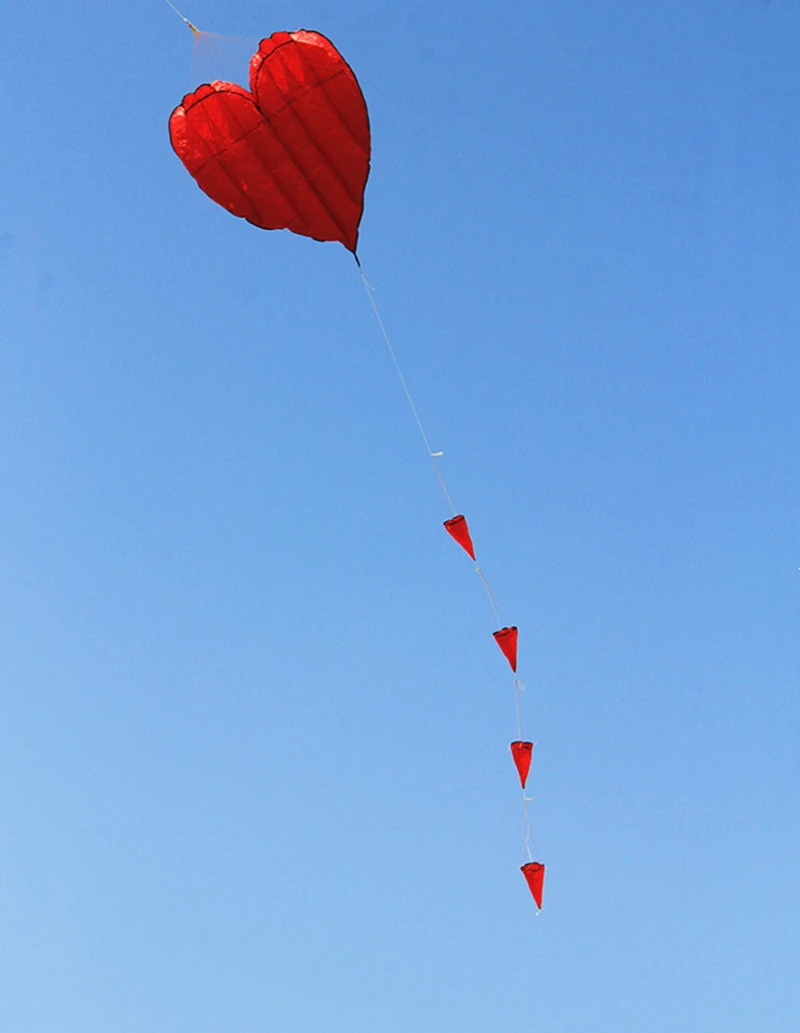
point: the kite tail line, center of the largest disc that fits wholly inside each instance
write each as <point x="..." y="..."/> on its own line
<point x="528" y="834"/>
<point x="519" y="687"/>
<point x="506" y="637"/>
<point x="431" y="454"/>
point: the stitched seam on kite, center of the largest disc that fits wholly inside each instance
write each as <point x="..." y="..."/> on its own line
<point x="245" y="134"/>
<point x="322" y="201"/>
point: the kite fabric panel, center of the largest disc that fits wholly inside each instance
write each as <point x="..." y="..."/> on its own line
<point x="293" y="152"/>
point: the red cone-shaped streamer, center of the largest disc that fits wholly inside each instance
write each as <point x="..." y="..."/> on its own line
<point x="506" y="638"/>
<point x="534" y="876"/>
<point x="457" y="528"/>
<point x="522" y="752"/>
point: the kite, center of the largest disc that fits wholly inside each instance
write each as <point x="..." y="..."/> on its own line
<point x="293" y="152"/>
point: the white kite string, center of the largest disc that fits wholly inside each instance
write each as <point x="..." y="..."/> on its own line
<point x="433" y="455"/>
<point x="194" y="29"/>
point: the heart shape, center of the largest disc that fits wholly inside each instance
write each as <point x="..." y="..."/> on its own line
<point x="290" y="153"/>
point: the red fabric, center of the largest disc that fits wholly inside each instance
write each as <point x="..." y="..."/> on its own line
<point x="506" y="638"/>
<point x="522" y="752"/>
<point x="457" y="528"/>
<point x="291" y="153"/>
<point x="534" y="876"/>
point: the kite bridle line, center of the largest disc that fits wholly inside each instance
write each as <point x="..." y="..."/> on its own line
<point x="199" y="39"/>
<point x="185" y="20"/>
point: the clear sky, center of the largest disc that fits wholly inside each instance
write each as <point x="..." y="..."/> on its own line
<point x="254" y="768"/>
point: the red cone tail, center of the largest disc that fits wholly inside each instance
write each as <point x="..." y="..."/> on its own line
<point x="522" y="752"/>
<point x="534" y="876"/>
<point x="457" y="528"/>
<point x="506" y="638"/>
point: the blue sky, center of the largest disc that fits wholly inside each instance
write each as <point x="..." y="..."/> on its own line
<point x="254" y="769"/>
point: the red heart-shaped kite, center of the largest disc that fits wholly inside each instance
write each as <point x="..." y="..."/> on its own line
<point x="293" y="153"/>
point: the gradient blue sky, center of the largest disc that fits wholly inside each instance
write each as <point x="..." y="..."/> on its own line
<point x="254" y="770"/>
